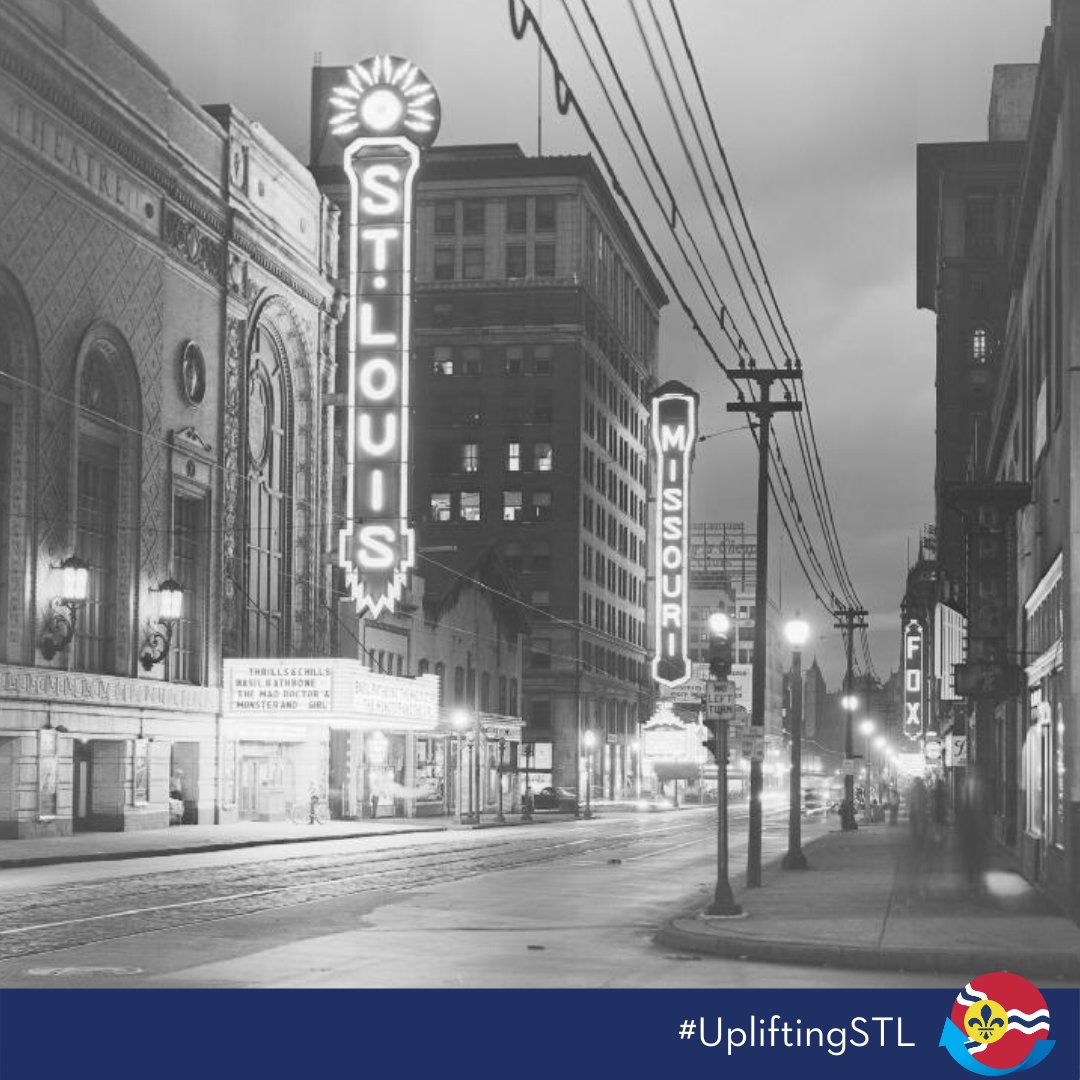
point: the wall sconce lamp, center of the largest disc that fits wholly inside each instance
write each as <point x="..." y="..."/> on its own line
<point x="170" y="602"/>
<point x="59" y="626"/>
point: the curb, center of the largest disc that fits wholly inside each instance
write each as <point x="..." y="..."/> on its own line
<point x="818" y="954"/>
<point x="18" y="862"/>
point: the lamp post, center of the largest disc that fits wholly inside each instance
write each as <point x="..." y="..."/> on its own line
<point x="849" y="703"/>
<point x="866" y="727"/>
<point x="460" y="719"/>
<point x="500" y="817"/>
<point x="880" y="745"/>
<point x="635" y="749"/>
<point x="526" y="806"/>
<point x="723" y="904"/>
<point x="590" y="742"/>
<point x="797" y="632"/>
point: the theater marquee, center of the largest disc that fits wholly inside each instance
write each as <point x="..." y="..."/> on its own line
<point x="674" y="432"/>
<point x="914" y="682"/>
<point x="386" y="113"/>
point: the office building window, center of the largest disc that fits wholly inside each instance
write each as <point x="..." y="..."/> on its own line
<point x="980" y="345"/>
<point x="442" y="362"/>
<point x="469" y="506"/>
<point x="512" y="506"/>
<point x="979" y="225"/>
<point x="543" y="411"/>
<point x="512" y="556"/>
<point x="541" y="556"/>
<point x="543" y="457"/>
<point x="515" y="214"/>
<point x="544" y="260"/>
<point x="472" y="360"/>
<point x="444" y="264"/>
<point x="541" y="505"/>
<point x="445" y="218"/>
<point x="440" y="505"/>
<point x="514" y="361"/>
<point x="542" y="360"/>
<point x="515" y="260"/>
<point x="540" y="654"/>
<point x="513" y="457"/>
<point x="472" y="263"/>
<point x="470" y="457"/>
<point x="541" y="599"/>
<point x="472" y="216"/>
<point x="545" y="213"/>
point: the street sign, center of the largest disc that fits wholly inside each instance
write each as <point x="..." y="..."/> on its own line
<point x="753" y="746"/>
<point x="720" y="695"/>
<point x="849" y="767"/>
<point x="956" y="750"/>
<point x="612" y="737"/>
<point x="688" y="693"/>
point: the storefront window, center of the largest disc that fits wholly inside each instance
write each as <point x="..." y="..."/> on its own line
<point x="141" y="772"/>
<point x="48" y="767"/>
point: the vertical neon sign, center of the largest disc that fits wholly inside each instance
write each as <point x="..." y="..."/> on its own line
<point x="387" y="113"/>
<point x="674" y="433"/>
<point x="913" y="680"/>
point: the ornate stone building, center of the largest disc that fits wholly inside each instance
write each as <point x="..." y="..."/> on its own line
<point x="166" y="336"/>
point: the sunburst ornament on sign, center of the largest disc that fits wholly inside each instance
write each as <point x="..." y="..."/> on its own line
<point x="386" y="96"/>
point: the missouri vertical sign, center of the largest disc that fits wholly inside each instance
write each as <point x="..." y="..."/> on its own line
<point x="674" y="433"/>
<point x="386" y="113"/>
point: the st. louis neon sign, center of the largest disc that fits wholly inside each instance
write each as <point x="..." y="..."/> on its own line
<point x="387" y="113"/>
<point x="674" y="433"/>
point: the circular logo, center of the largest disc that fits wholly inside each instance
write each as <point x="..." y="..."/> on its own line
<point x="999" y="1024"/>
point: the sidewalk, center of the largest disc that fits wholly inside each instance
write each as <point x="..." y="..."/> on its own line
<point x="870" y="901"/>
<point x="193" y="839"/>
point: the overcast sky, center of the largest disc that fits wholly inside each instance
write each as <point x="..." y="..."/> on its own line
<point x="819" y="105"/>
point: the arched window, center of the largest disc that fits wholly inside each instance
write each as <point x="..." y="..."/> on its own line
<point x="268" y="476"/>
<point x="440" y="674"/>
<point x="485" y="692"/>
<point x="107" y="478"/>
<point x="422" y="667"/>
<point x="512" y="700"/>
<point x="19" y="425"/>
<point x="459" y="685"/>
<point x="502" y="695"/>
<point x="980" y="345"/>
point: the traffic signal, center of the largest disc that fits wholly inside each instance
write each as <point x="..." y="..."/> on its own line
<point x="719" y="655"/>
<point x="712" y="740"/>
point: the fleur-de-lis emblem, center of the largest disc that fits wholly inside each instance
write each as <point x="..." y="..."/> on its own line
<point x="987" y="1023"/>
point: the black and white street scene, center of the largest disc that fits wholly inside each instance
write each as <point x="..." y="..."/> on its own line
<point x="539" y="493"/>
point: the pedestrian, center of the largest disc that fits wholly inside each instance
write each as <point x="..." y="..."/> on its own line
<point x="313" y="802"/>
<point x="939" y="810"/>
<point x="917" y="811"/>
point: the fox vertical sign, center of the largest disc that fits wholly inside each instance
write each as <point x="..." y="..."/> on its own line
<point x="386" y="113"/>
<point x="914" y="681"/>
<point x="674" y="432"/>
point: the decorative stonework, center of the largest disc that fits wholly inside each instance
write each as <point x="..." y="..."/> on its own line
<point x="42" y="684"/>
<point x="197" y="246"/>
<point x="235" y="333"/>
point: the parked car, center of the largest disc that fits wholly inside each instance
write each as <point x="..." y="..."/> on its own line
<point x="554" y="798"/>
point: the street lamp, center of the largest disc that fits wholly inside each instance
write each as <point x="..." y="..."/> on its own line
<point x="796" y="631"/>
<point x="866" y="728"/>
<point x="526" y="806"/>
<point x="590" y="742"/>
<point x="461" y="720"/>
<point x="849" y="703"/>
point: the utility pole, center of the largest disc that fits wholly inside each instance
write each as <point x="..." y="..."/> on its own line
<point x="763" y="409"/>
<point x="848" y="621"/>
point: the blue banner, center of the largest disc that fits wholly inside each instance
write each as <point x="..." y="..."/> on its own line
<point x="520" y="1034"/>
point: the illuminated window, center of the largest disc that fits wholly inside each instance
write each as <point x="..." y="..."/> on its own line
<point x="541" y="505"/>
<point x="444" y="264"/>
<point x="512" y="506"/>
<point x="443" y="360"/>
<point x="545" y="213"/>
<point x="515" y="359"/>
<point x="440" y="506"/>
<point x="472" y="263"/>
<point x="472" y="216"/>
<point x="980" y="341"/>
<point x="513" y="457"/>
<point x="542" y="360"/>
<point x="544" y="260"/>
<point x="470" y="457"/>
<point x="515" y="260"/>
<point x="515" y="214"/>
<point x="543" y="457"/>
<point x="469" y="506"/>
<point x="445" y="218"/>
